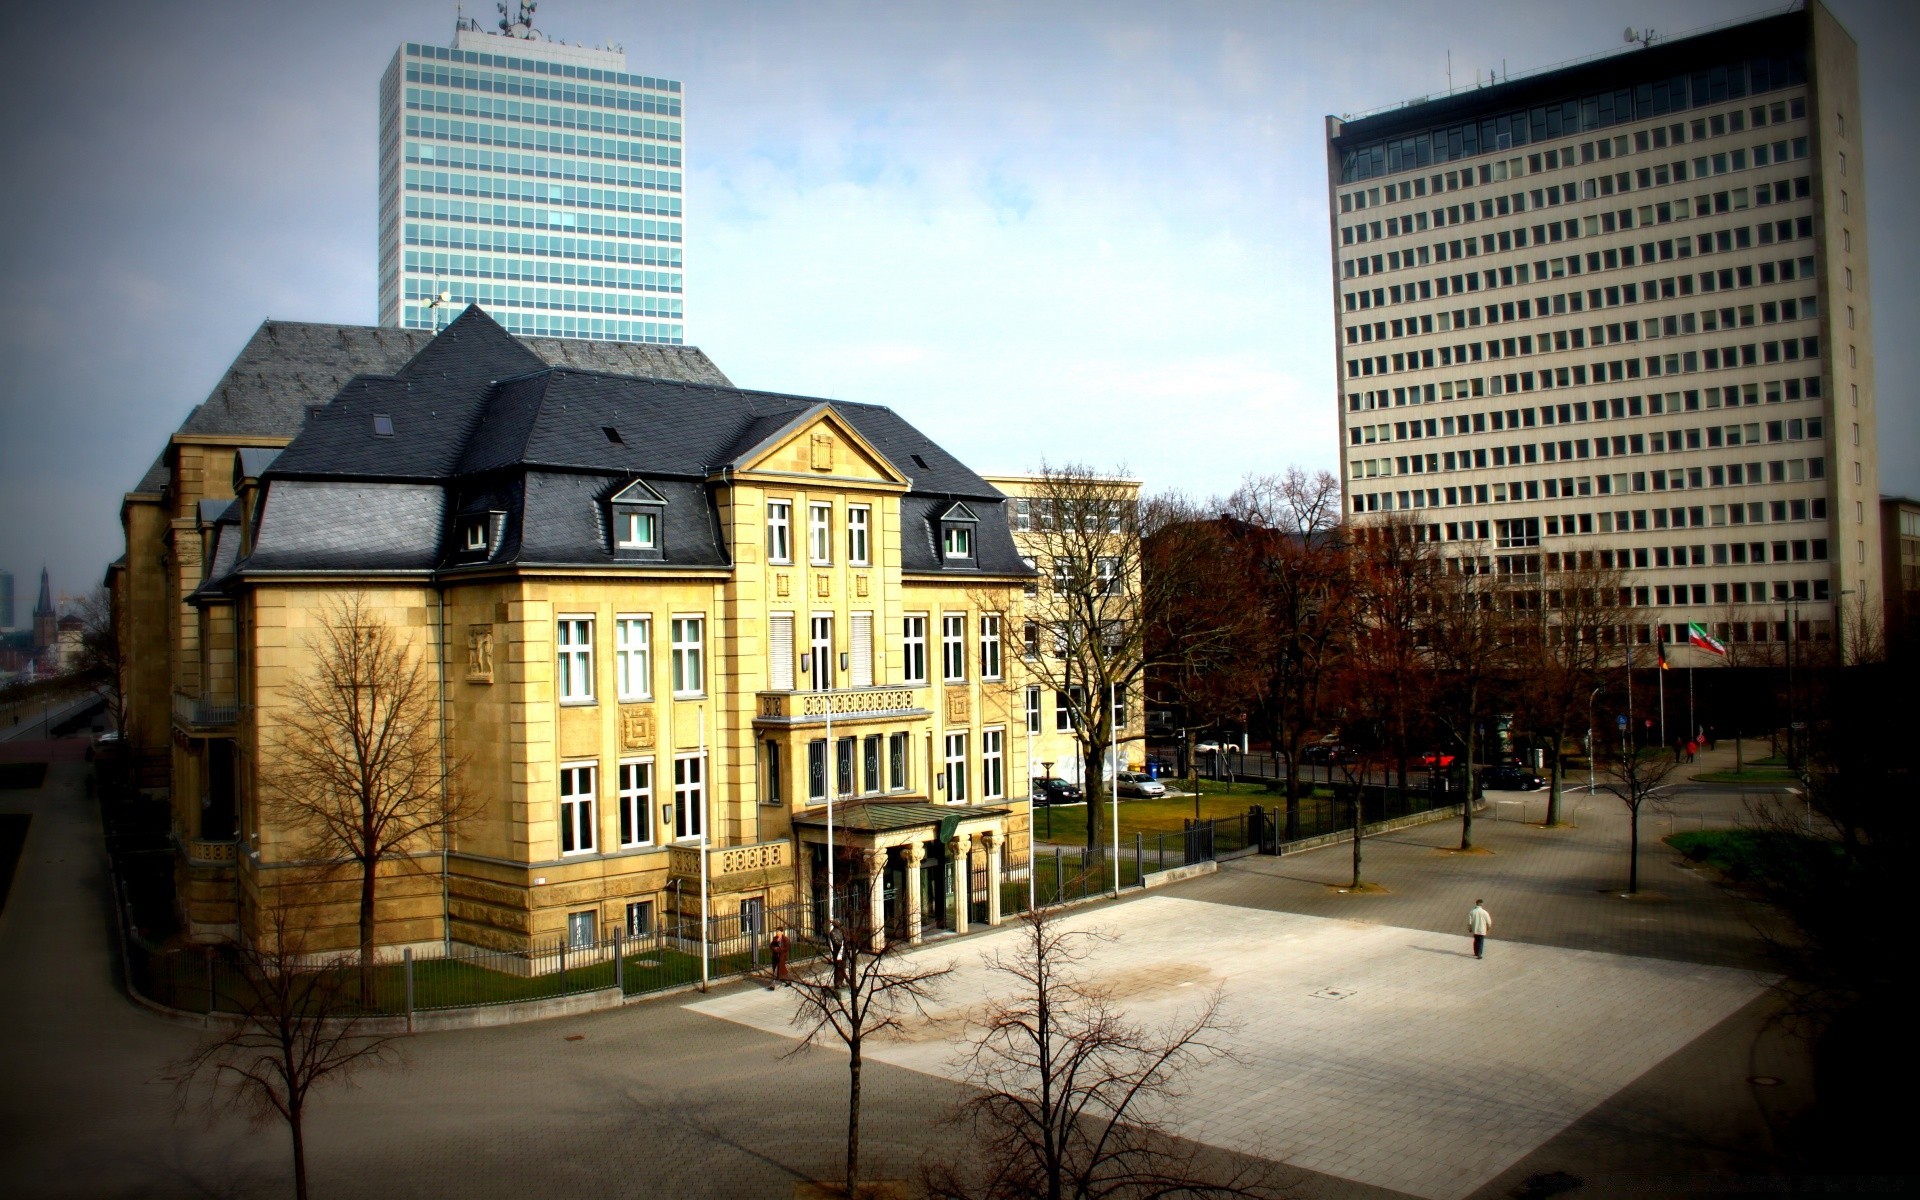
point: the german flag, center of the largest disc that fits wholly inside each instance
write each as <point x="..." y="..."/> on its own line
<point x="1663" y="655"/>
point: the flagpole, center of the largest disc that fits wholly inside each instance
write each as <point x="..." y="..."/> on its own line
<point x="1693" y="726"/>
<point x="1661" y="675"/>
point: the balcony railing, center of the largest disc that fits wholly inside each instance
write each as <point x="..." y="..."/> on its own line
<point x="195" y="712"/>
<point x="852" y="704"/>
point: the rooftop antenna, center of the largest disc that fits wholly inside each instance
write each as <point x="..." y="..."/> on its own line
<point x="520" y="23"/>
<point x="1645" y="37"/>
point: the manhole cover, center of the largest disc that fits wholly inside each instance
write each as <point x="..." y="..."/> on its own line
<point x="1763" y="1080"/>
<point x="1332" y="993"/>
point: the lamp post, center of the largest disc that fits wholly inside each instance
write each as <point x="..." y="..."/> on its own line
<point x="1590" y="699"/>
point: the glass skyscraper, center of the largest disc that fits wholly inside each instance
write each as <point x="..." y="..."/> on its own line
<point x="540" y="181"/>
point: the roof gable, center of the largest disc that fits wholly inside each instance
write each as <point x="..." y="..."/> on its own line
<point x="817" y="442"/>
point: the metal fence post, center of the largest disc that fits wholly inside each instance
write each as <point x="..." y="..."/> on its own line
<point x="406" y="961"/>
<point x="209" y="958"/>
<point x="619" y="962"/>
<point x="1139" y="846"/>
<point x="563" y="964"/>
<point x="1059" y="879"/>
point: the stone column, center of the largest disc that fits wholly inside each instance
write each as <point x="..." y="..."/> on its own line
<point x="915" y="854"/>
<point x="959" y="848"/>
<point x="875" y="862"/>
<point x="992" y="840"/>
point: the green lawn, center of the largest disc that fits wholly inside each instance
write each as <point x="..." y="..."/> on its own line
<point x="1067" y="825"/>
<point x="1754" y="854"/>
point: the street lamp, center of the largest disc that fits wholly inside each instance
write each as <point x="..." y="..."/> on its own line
<point x="1590" y="698"/>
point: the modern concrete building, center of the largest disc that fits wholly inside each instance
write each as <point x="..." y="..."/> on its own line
<point x="1900" y="568"/>
<point x="1621" y="308"/>
<point x="538" y="180"/>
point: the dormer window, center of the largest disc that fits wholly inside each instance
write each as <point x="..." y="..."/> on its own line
<point x="637" y="520"/>
<point x="957" y="530"/>
<point x="473" y="535"/>
<point x="636" y="529"/>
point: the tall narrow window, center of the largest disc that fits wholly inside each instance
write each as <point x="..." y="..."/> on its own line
<point x="816" y="771"/>
<point x="780" y="652"/>
<point x="633" y="656"/>
<point x="992" y="761"/>
<point x="1063" y="708"/>
<point x="636" y="803"/>
<point x="576" y="809"/>
<point x="953" y="647"/>
<point x="956" y="768"/>
<point x="1033" y="709"/>
<point x="897" y="762"/>
<point x="858" y="550"/>
<point x="870" y="765"/>
<point x="575" y="646"/>
<point x="989" y="645"/>
<point x="779" y="531"/>
<point x="913" y="665"/>
<point x="861" y="672"/>
<point x="843" y="753"/>
<point x="771" y="791"/>
<point x="820" y="534"/>
<point x="820" y="652"/>
<point x="689" y="797"/>
<point x="635" y="529"/>
<point x="689" y="653"/>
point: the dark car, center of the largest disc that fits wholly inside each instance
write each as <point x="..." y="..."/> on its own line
<point x="1509" y="778"/>
<point x="1325" y="752"/>
<point x="1055" y="791"/>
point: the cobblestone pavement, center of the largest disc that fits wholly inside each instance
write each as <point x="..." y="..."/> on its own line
<point x="661" y="1099"/>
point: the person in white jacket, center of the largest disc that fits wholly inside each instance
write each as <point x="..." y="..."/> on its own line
<point x="1480" y="922"/>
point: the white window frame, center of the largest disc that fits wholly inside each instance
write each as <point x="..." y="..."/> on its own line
<point x="772" y="790"/>
<point x="820" y="675"/>
<point x="956" y="541"/>
<point x="779" y="531"/>
<point x="913" y="647"/>
<point x="689" y="796"/>
<point x="1064" y="720"/>
<point x="573" y="658"/>
<point x="577" y="816"/>
<point x="993" y="763"/>
<point x="953" y="647"/>
<point x="633" y="657"/>
<point x="990" y="646"/>
<point x="476" y="535"/>
<point x="899" y="762"/>
<point x="1033" y="708"/>
<point x="820" y="533"/>
<point x="689" y="652"/>
<point x="859" y="534"/>
<point x="628" y="535"/>
<point x="956" y="768"/>
<point x="860" y="647"/>
<point x="639" y="921"/>
<point x="634" y="780"/>
<point x="583" y="929"/>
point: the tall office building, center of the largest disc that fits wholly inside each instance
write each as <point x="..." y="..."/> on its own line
<point x="1622" y="308"/>
<point x="538" y="180"/>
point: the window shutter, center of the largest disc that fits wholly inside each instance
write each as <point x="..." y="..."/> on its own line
<point x="780" y="651"/>
<point x="862" y="649"/>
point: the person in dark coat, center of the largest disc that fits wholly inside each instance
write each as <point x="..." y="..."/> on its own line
<point x="780" y="949"/>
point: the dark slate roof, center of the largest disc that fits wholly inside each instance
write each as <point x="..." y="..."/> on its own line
<point x="348" y="526"/>
<point x="250" y="462"/>
<point x="287" y="367"/>
<point x="157" y="477"/>
<point x="479" y="417"/>
<point x="885" y="816"/>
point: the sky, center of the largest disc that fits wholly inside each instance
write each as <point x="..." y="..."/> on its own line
<point x="1043" y="231"/>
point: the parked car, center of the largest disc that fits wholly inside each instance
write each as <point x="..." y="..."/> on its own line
<point x="1325" y="752"/>
<point x="1145" y="787"/>
<point x="1436" y="760"/>
<point x="1055" y="791"/>
<point x="1215" y="747"/>
<point x="1509" y="778"/>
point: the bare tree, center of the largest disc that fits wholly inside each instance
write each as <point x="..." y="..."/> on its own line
<point x="1470" y="635"/>
<point x="299" y="1029"/>
<point x="1387" y="675"/>
<point x="1074" y="1098"/>
<point x="1097" y="604"/>
<point x="361" y="774"/>
<point x="1636" y="774"/>
<point x="1299" y="582"/>
<point x="858" y="988"/>
<point x="1586" y="612"/>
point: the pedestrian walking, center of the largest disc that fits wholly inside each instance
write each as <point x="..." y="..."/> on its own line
<point x="1480" y="923"/>
<point x="780" y="946"/>
<point x="1693" y="747"/>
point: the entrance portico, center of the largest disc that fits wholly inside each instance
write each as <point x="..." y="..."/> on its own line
<point x="939" y="864"/>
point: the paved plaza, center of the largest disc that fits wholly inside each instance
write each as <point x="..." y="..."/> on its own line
<point x="1385" y="1055"/>
<point x="1603" y="1040"/>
